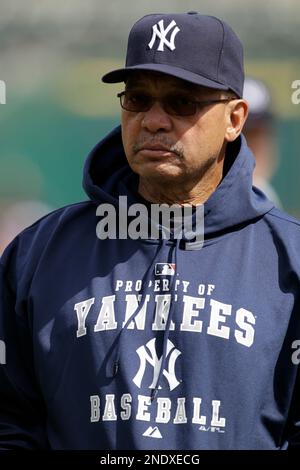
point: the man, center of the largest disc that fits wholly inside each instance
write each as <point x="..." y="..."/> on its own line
<point x="259" y="131"/>
<point x="166" y="343"/>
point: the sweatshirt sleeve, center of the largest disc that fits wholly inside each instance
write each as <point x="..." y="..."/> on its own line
<point x="22" y="411"/>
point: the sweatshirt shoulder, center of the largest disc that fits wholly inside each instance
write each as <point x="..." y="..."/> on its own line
<point x="283" y="220"/>
<point x="30" y="242"/>
<point x="285" y="232"/>
<point x="56" y="218"/>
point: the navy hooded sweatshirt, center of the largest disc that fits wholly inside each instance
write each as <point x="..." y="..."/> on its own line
<point x="152" y="344"/>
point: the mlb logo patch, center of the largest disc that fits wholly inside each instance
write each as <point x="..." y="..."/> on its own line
<point x="162" y="269"/>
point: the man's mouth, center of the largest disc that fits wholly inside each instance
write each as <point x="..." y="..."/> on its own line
<point x="158" y="147"/>
<point x="156" y="153"/>
<point x="155" y="150"/>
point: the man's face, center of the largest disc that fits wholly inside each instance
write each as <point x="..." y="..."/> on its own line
<point x="167" y="147"/>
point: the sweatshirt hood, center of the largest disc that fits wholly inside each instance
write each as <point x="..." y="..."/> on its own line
<point x="107" y="176"/>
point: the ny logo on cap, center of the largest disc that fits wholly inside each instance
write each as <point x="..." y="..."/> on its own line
<point x="161" y="33"/>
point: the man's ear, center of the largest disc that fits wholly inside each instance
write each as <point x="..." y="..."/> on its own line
<point x="236" y="114"/>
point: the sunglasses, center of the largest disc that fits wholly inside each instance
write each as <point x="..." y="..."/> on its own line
<point x="173" y="104"/>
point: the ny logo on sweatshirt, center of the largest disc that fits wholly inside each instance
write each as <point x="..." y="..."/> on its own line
<point x="148" y="355"/>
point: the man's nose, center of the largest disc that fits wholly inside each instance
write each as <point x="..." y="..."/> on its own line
<point x="156" y="119"/>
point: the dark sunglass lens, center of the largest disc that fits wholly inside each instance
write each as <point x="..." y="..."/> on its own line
<point x="136" y="102"/>
<point x="180" y="106"/>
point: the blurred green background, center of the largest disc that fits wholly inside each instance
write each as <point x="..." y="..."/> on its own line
<point x="52" y="55"/>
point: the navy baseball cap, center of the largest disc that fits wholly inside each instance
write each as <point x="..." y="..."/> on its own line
<point x="200" y="49"/>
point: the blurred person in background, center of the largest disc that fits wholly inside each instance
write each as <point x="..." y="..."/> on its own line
<point x="17" y="215"/>
<point x="259" y="131"/>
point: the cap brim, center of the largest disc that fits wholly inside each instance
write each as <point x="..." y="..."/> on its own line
<point x="119" y="75"/>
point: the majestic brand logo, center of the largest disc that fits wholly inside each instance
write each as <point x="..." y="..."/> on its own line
<point x="160" y="32"/>
<point x="153" y="432"/>
<point x="149" y="356"/>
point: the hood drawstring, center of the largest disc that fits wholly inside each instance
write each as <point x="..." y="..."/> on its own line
<point x="154" y="391"/>
<point x="147" y="276"/>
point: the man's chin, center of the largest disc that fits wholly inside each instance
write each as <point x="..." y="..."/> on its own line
<point x="158" y="170"/>
<point x="161" y="175"/>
